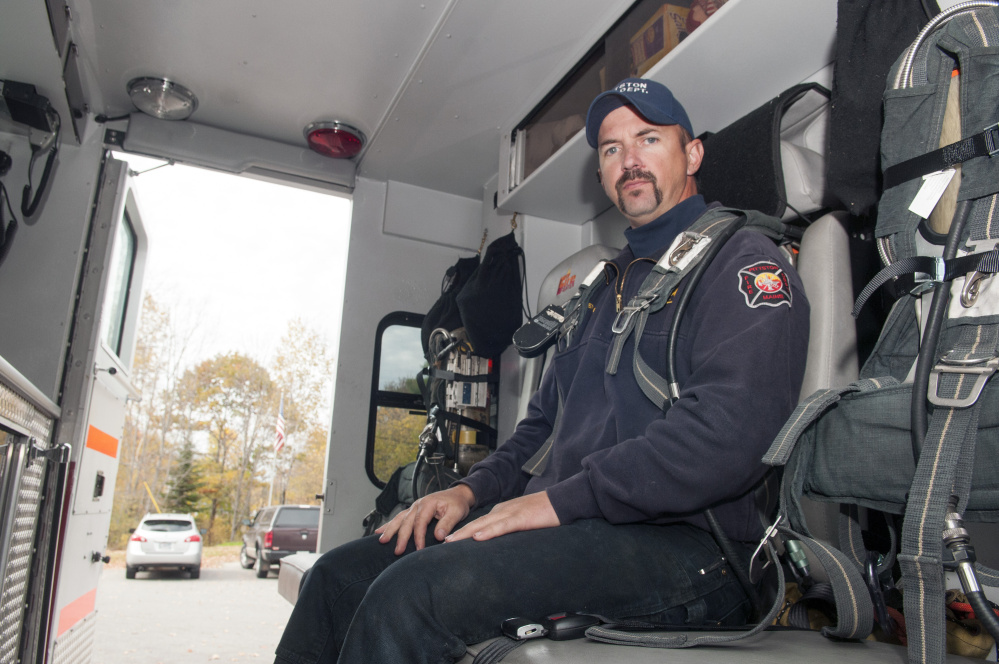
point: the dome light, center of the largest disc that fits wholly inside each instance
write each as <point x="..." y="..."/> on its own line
<point x="161" y="98"/>
<point x="334" y="139"/>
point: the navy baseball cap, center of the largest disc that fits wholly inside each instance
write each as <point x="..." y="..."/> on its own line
<point x="652" y="100"/>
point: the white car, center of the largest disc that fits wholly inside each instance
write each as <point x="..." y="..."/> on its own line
<point x="164" y="541"/>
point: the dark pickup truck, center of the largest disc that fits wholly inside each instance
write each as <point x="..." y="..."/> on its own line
<point x="276" y="532"/>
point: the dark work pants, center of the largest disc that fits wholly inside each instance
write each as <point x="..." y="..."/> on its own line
<point x="361" y="603"/>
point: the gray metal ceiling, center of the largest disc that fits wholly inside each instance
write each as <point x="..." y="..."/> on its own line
<point x="430" y="82"/>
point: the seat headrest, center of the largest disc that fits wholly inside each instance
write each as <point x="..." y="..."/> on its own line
<point x="563" y="280"/>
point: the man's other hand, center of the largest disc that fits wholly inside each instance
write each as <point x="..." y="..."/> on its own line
<point x="448" y="507"/>
<point x="531" y="512"/>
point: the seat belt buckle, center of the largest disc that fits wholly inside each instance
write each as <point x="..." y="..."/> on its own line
<point x="969" y="367"/>
<point x="623" y="320"/>
<point x="769" y="546"/>
<point x="991" y="134"/>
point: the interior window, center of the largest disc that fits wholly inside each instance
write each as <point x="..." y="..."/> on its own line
<point x="119" y="281"/>
<point x="397" y="412"/>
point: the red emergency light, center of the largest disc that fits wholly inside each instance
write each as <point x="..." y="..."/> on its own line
<point x="334" y="139"/>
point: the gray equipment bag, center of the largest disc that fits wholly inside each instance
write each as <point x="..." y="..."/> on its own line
<point x="918" y="435"/>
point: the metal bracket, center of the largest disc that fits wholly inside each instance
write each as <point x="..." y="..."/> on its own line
<point x="55" y="454"/>
<point x="767" y="546"/>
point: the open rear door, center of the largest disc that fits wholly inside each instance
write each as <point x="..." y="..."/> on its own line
<point x="96" y="387"/>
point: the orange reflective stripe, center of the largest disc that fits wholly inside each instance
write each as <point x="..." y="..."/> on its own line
<point x="101" y="442"/>
<point x="76" y="611"/>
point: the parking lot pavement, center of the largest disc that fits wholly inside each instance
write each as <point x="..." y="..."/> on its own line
<point x="228" y="615"/>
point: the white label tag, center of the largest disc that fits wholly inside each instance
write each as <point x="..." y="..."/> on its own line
<point x="929" y="194"/>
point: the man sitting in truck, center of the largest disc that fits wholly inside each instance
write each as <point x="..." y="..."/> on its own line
<point x="612" y="521"/>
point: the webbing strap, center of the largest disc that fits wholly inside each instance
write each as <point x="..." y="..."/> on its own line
<point x="497" y="650"/>
<point x="537" y="463"/>
<point x="805" y="414"/>
<point x="809" y="410"/>
<point x="950" y="437"/>
<point x="679" y="259"/>
<point x="854" y="609"/>
<point x="983" y="144"/>
<point x="940" y="270"/>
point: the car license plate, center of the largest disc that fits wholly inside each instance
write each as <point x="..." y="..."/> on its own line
<point x="164" y="546"/>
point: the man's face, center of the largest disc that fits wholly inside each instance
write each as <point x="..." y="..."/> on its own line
<point x="645" y="169"/>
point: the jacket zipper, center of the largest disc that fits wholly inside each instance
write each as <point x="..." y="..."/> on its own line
<point x="619" y="283"/>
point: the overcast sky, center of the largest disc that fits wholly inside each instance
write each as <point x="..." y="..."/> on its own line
<point x="237" y="258"/>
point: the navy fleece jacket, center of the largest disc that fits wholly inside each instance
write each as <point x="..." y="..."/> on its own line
<point x="740" y="361"/>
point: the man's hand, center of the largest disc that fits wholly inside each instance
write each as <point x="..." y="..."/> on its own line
<point x="531" y="512"/>
<point x="448" y="507"/>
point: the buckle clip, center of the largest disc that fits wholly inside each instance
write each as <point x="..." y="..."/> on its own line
<point x="938" y="275"/>
<point x="623" y="320"/>
<point x="970" y="367"/>
<point x="991" y="134"/>
<point x="757" y="564"/>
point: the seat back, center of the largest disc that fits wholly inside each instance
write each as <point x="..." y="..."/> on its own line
<point x="824" y="267"/>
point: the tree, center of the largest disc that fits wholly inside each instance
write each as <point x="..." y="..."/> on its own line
<point x="303" y="373"/>
<point x="154" y="426"/>
<point x="232" y="397"/>
<point x="184" y="486"/>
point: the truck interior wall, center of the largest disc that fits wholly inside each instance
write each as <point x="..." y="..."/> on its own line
<point x="391" y="268"/>
<point x="40" y="274"/>
<point x="385" y="273"/>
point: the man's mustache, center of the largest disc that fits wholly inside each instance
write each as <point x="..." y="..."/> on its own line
<point x="635" y="174"/>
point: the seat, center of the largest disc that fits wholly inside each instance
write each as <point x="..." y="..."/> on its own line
<point x="824" y="267"/>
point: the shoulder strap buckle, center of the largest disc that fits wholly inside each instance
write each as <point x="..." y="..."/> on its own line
<point x="622" y="323"/>
<point x="952" y="366"/>
<point x="991" y="134"/>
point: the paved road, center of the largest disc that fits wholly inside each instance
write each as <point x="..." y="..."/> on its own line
<point x="228" y="615"/>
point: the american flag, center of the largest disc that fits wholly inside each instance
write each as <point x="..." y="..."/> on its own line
<point x="279" y="428"/>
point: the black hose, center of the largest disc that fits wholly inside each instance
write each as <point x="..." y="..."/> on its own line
<point x="931" y="335"/>
<point x="681" y="306"/>
<point x="984" y="612"/>
<point x="734" y="561"/>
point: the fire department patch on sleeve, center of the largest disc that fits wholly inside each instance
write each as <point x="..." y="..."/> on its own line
<point x="764" y="284"/>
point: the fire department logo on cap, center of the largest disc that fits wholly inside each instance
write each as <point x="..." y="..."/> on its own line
<point x="764" y="284"/>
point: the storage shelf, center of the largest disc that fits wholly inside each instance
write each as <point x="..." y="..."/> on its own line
<point x="744" y="55"/>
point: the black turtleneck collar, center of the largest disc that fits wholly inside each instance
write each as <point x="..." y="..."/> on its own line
<point x="650" y="238"/>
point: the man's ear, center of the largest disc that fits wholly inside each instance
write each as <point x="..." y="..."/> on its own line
<point x="600" y="178"/>
<point x="695" y="154"/>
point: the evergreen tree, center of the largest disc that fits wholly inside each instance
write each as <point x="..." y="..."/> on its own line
<point x="184" y="485"/>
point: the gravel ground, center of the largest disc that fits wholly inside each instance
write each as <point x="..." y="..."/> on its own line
<point x="228" y="615"/>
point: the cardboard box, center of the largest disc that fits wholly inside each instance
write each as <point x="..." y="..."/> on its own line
<point x="660" y="35"/>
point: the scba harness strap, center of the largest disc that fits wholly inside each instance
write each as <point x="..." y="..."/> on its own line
<point x="690" y="254"/>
